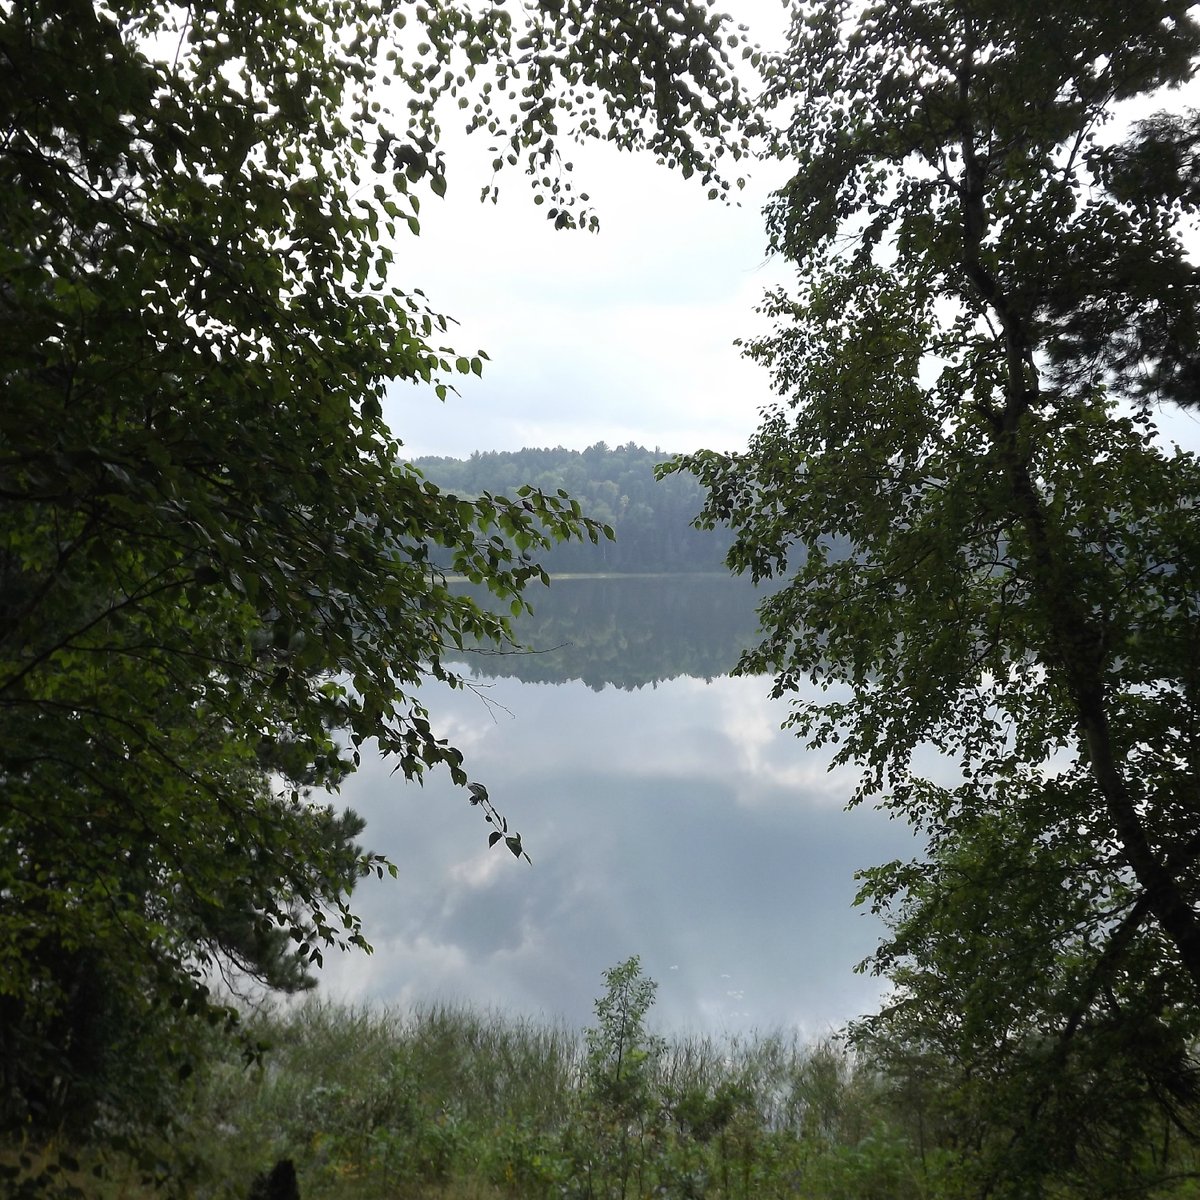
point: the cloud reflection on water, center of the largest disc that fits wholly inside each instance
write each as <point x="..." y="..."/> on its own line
<point x="676" y="822"/>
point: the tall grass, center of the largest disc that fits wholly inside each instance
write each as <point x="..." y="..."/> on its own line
<point x="457" y="1103"/>
<point x="461" y="1104"/>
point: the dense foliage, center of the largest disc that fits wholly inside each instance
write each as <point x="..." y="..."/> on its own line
<point x="651" y="519"/>
<point x="218" y="579"/>
<point x="993" y="294"/>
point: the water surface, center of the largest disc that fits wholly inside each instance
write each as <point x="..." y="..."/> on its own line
<point x="666" y="813"/>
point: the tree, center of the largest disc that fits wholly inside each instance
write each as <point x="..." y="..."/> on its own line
<point x="218" y="577"/>
<point x="619" y="1096"/>
<point x="993" y="294"/>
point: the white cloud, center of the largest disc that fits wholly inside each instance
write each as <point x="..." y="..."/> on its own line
<point x="624" y="335"/>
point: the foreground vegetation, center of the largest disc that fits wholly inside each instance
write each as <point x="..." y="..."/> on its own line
<point x="459" y="1104"/>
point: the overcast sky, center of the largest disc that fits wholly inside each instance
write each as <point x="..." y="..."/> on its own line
<point x="622" y="335"/>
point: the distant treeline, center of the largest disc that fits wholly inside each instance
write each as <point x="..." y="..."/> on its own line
<point x="651" y="518"/>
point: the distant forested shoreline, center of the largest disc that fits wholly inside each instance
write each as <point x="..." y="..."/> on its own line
<point x="616" y="485"/>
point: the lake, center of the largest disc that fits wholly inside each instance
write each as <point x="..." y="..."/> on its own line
<point x="666" y="814"/>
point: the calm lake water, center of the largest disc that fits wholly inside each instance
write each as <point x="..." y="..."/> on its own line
<point x="666" y="813"/>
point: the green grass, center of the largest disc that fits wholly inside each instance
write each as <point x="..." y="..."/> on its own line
<point x="457" y="1104"/>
